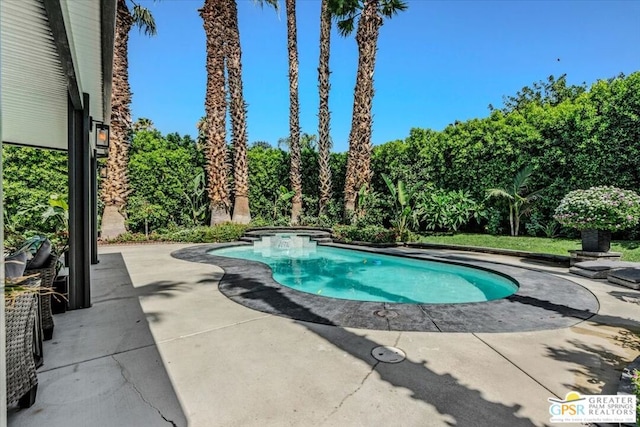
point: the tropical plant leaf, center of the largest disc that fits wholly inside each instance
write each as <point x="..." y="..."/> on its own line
<point x="390" y="185"/>
<point x="403" y="196"/>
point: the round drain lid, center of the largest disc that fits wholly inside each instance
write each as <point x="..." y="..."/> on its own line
<point x="388" y="354"/>
<point x="389" y="314"/>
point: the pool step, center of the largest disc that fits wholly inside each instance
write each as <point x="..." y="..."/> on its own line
<point x="322" y="239"/>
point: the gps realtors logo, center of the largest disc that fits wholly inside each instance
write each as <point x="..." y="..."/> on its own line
<point x="589" y="409"/>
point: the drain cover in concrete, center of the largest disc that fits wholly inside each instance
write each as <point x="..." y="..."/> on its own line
<point x="389" y="314"/>
<point x="388" y="354"/>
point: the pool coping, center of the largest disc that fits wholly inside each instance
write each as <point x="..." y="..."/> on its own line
<point x="542" y="302"/>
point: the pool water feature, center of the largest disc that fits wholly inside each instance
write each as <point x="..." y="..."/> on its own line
<point x="364" y="276"/>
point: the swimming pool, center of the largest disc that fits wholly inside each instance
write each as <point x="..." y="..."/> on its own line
<point x="364" y="276"/>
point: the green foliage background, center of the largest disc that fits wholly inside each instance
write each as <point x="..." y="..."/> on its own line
<point x="574" y="137"/>
<point x="161" y="170"/>
<point x="29" y="176"/>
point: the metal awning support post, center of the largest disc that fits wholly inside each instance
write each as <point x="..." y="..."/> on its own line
<point x="94" y="207"/>
<point x="79" y="206"/>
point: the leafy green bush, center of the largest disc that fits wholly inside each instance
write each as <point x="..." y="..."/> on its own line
<point x="448" y="210"/>
<point x="536" y="226"/>
<point x="30" y="176"/>
<point x="165" y="178"/>
<point x="369" y="233"/>
<point x="573" y="138"/>
<point x="227" y="232"/>
<point x="495" y="223"/>
<point x="599" y="208"/>
<point x="129" y="237"/>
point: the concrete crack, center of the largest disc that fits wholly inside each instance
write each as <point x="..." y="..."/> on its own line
<point x="397" y="339"/>
<point x="429" y="317"/>
<point x="337" y="408"/>
<point x="122" y="372"/>
<point x="515" y="365"/>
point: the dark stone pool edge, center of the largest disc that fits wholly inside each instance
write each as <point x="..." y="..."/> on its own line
<point x="542" y="302"/>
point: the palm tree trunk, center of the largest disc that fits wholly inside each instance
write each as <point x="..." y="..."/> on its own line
<point x="511" y="224"/>
<point x="294" y="120"/>
<point x="324" y="142"/>
<point x="115" y="186"/>
<point x="238" y="112"/>
<point x="359" y="157"/>
<point x="213" y="14"/>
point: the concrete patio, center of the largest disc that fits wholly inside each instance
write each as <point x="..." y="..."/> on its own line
<point x="162" y="346"/>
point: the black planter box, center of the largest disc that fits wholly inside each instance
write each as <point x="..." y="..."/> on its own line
<point x="596" y="240"/>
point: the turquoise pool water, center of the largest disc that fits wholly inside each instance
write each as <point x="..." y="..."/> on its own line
<point x="364" y="276"/>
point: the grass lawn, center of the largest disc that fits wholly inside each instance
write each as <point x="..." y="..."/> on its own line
<point x="630" y="249"/>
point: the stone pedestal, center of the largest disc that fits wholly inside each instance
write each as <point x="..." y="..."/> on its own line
<point x="579" y="256"/>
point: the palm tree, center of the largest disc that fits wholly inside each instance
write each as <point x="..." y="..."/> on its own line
<point x="371" y="13"/>
<point x="294" y="113"/>
<point x="238" y="113"/>
<point x="142" y="123"/>
<point x="516" y="197"/>
<point x="223" y="52"/>
<point x="115" y="186"/>
<point x="324" y="142"/>
<point x="214" y="16"/>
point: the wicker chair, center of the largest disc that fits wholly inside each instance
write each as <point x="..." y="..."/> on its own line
<point x="20" y="317"/>
<point x="47" y="274"/>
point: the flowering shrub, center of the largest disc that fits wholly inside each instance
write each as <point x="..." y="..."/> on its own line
<point x="599" y="208"/>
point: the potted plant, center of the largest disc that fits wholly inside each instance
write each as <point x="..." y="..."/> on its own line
<point x="598" y="211"/>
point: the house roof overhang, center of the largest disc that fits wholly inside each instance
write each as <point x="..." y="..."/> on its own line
<point x="53" y="51"/>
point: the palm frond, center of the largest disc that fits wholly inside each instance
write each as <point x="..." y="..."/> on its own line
<point x="499" y="192"/>
<point x="272" y="3"/>
<point x="534" y="195"/>
<point x="143" y="19"/>
<point x="346" y="26"/>
<point x="522" y="178"/>
<point x="344" y="8"/>
<point x="389" y="8"/>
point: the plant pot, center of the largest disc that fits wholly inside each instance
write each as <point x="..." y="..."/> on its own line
<point x="596" y="240"/>
<point x="61" y="286"/>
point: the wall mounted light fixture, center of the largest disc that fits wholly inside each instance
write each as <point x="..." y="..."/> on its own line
<point x="102" y="138"/>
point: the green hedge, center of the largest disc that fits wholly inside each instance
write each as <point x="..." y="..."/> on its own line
<point x="574" y="137"/>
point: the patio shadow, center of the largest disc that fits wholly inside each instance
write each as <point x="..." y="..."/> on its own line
<point x="102" y="367"/>
<point x="458" y="404"/>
